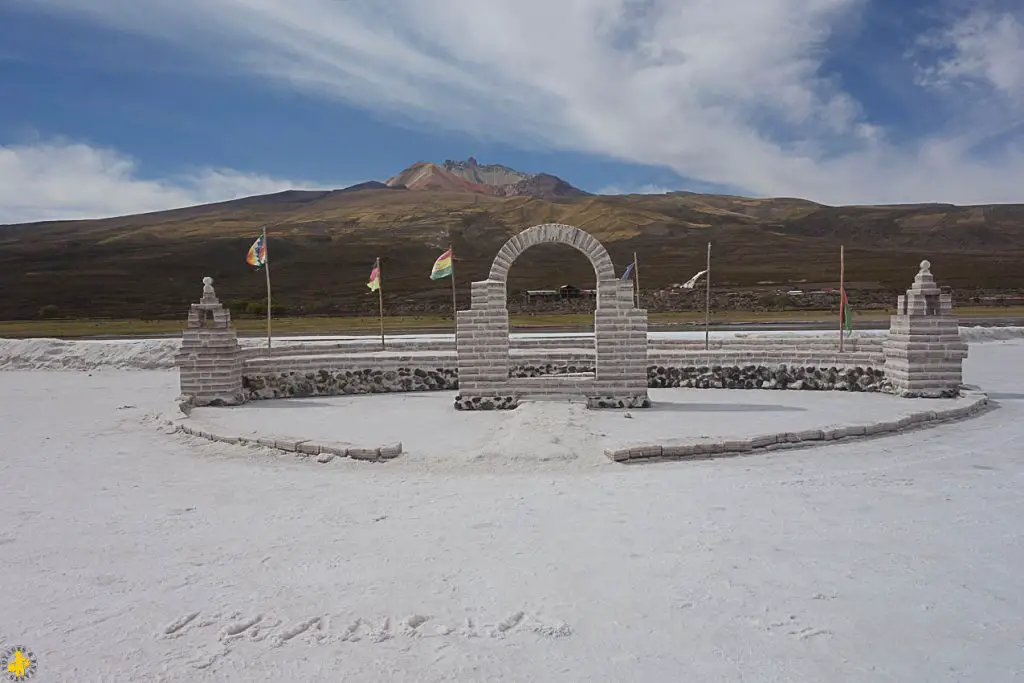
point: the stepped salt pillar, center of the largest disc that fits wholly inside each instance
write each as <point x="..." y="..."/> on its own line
<point x="210" y="358"/>
<point x="924" y="353"/>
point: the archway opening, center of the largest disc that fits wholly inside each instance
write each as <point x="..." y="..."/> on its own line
<point x="552" y="288"/>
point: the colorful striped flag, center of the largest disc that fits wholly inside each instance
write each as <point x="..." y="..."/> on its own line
<point x="257" y="255"/>
<point x="845" y="312"/>
<point x="374" y="283"/>
<point x="442" y="266"/>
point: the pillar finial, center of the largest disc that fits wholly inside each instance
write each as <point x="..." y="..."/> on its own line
<point x="209" y="295"/>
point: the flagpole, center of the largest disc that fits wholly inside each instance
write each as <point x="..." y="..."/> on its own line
<point x="266" y="269"/>
<point x="455" y="323"/>
<point x="707" y="302"/>
<point x="842" y="292"/>
<point x="636" y="279"/>
<point x="380" y="302"/>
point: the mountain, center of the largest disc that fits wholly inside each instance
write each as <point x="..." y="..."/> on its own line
<point x="427" y="176"/>
<point x="322" y="245"/>
<point x="488" y="174"/>
<point x="490" y="179"/>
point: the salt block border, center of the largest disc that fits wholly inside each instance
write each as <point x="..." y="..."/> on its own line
<point x="784" y="440"/>
<point x="324" y="452"/>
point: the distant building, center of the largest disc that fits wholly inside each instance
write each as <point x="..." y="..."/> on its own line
<point x="574" y="292"/>
<point x="569" y="292"/>
<point x="563" y="292"/>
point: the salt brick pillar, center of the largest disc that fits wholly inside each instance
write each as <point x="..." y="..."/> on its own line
<point x="482" y="342"/>
<point x="620" y="339"/>
<point x="210" y="359"/>
<point x="924" y="353"/>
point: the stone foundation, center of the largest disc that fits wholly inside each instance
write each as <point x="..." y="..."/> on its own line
<point x="353" y="381"/>
<point x="618" y="401"/>
<point x="300" y="384"/>
<point x="485" y="402"/>
<point x="763" y="377"/>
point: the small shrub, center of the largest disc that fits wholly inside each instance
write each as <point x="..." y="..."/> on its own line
<point x="259" y="308"/>
<point x="236" y="306"/>
<point x="49" y="311"/>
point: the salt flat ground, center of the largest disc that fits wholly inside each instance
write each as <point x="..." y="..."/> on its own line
<point x="566" y="435"/>
<point x="128" y="554"/>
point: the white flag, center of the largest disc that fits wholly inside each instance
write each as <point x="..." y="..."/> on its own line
<point x="693" y="280"/>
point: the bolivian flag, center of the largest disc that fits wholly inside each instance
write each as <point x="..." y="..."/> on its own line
<point x="442" y="266"/>
<point x="374" y="283"/>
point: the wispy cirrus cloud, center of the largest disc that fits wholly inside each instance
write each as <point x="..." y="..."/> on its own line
<point x="63" y="180"/>
<point x="732" y="93"/>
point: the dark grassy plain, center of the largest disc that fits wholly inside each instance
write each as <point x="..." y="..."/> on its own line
<point x="334" y="325"/>
<point x="323" y="244"/>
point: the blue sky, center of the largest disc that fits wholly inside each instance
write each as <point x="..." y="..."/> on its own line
<point x="117" y="106"/>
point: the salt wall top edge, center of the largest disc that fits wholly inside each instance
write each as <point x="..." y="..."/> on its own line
<point x="853" y="345"/>
<point x="361" y="362"/>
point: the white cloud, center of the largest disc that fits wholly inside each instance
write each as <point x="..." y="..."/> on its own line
<point x="640" y="189"/>
<point x="979" y="48"/>
<point x="58" y="180"/>
<point x="726" y="92"/>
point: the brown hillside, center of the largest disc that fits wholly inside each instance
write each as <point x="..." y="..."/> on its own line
<point x="322" y="245"/>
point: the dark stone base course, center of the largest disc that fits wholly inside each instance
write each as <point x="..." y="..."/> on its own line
<point x="299" y="384"/>
<point x="511" y="402"/>
<point x="486" y="402"/>
<point x="595" y="402"/>
<point x="948" y="393"/>
<point x="549" y="369"/>
<point x="764" y="377"/>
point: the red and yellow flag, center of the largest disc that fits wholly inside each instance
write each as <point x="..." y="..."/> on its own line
<point x="374" y="283"/>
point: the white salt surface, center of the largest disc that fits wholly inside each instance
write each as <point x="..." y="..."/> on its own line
<point x="434" y="434"/>
<point x="132" y="555"/>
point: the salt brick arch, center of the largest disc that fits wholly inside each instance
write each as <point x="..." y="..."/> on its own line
<point x="557" y="233"/>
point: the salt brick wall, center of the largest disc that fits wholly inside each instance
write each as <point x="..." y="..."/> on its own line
<point x="515" y="345"/>
<point x="921" y="356"/>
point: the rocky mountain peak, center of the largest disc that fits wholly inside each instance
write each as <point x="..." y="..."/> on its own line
<point x="492" y="179"/>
